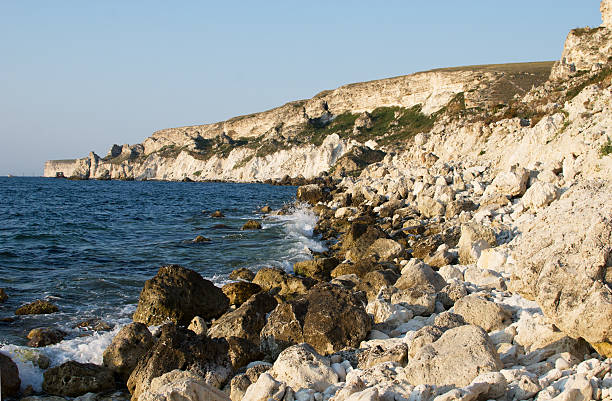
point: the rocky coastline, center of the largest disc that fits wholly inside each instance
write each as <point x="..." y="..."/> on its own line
<point x="472" y="263"/>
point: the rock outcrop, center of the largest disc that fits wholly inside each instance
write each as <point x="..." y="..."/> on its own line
<point x="73" y="379"/>
<point x="564" y="259"/>
<point x="179" y="294"/>
<point x="127" y="348"/>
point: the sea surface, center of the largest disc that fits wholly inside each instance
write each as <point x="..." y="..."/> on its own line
<point x="89" y="246"/>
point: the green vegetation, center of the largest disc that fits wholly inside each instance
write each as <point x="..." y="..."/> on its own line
<point x="606" y="149"/>
<point x="198" y="173"/>
<point x="598" y="78"/>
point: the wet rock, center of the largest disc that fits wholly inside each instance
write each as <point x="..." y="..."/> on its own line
<point x="478" y="311"/>
<point x="455" y="359"/>
<point x="178" y="294"/>
<point x="95" y="324"/>
<point x="246" y="321"/>
<point x="311" y="193"/>
<point x="127" y="348"/>
<point x="300" y="366"/>
<point x="38" y="307"/>
<point x="41" y="337"/>
<point x="217" y="214"/>
<point x="242" y="274"/>
<point x="266" y="209"/>
<point x="73" y="379"/>
<point x="184" y="385"/>
<point x="200" y="239"/>
<point x="252" y="225"/>
<point x="36" y="357"/>
<point x="10" y="376"/>
<point x="328" y="317"/>
<point x="179" y="348"/>
<point x="3" y="296"/>
<point x="318" y="269"/>
<point x="240" y="291"/>
<point x="269" y="278"/>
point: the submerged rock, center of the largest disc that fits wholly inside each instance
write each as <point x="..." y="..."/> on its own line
<point x="179" y="294"/>
<point x="38" y="307"/>
<point x="217" y="214"/>
<point x="3" y="296"/>
<point x="252" y="225"/>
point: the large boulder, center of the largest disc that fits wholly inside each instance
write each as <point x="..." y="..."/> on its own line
<point x="538" y="195"/>
<point x="179" y="294"/>
<point x="328" y="317"/>
<point x="72" y="379"/>
<point x="180" y="348"/>
<point x="455" y="359"/>
<point x="183" y="385"/>
<point x="10" y="376"/>
<point x="311" y="193"/>
<point x="127" y="348"/>
<point x="246" y="321"/>
<point x="564" y="262"/>
<point x="384" y="249"/>
<point x="417" y="274"/>
<point x="300" y="366"/>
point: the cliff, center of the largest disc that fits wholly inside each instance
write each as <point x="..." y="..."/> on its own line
<point x="308" y="137"/>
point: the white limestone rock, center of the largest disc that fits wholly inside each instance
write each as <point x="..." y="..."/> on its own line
<point x="300" y="366"/>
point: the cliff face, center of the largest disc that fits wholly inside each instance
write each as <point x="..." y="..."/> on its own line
<point x="291" y="139"/>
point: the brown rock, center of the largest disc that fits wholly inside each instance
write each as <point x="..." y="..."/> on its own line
<point x="217" y="214"/>
<point x="311" y="193"/>
<point x="251" y="225"/>
<point x="372" y="282"/>
<point x="38" y="307"/>
<point x="3" y="296"/>
<point x="242" y="274"/>
<point x="179" y="348"/>
<point x="318" y="269"/>
<point x="72" y="379"/>
<point x="127" y="348"/>
<point x="359" y="268"/>
<point x="246" y="321"/>
<point x="240" y="291"/>
<point x="269" y="278"/>
<point x="200" y="239"/>
<point x="10" y="376"/>
<point x="178" y="294"/>
<point x="41" y="337"/>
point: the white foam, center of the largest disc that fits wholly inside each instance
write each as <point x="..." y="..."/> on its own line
<point x="87" y="349"/>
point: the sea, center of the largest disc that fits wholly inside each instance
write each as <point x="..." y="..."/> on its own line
<point x="89" y="246"/>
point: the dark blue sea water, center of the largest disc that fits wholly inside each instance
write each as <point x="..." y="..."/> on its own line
<point x="88" y="246"/>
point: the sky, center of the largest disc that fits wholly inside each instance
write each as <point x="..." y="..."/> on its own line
<point x="80" y="76"/>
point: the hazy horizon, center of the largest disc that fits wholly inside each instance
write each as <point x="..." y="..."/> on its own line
<point x="78" y="77"/>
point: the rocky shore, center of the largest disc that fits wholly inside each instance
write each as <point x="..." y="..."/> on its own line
<point x="473" y="263"/>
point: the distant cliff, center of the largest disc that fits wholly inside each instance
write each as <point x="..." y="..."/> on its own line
<point x="308" y="137"/>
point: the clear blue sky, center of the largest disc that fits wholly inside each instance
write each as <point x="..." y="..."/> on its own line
<point x="77" y="76"/>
